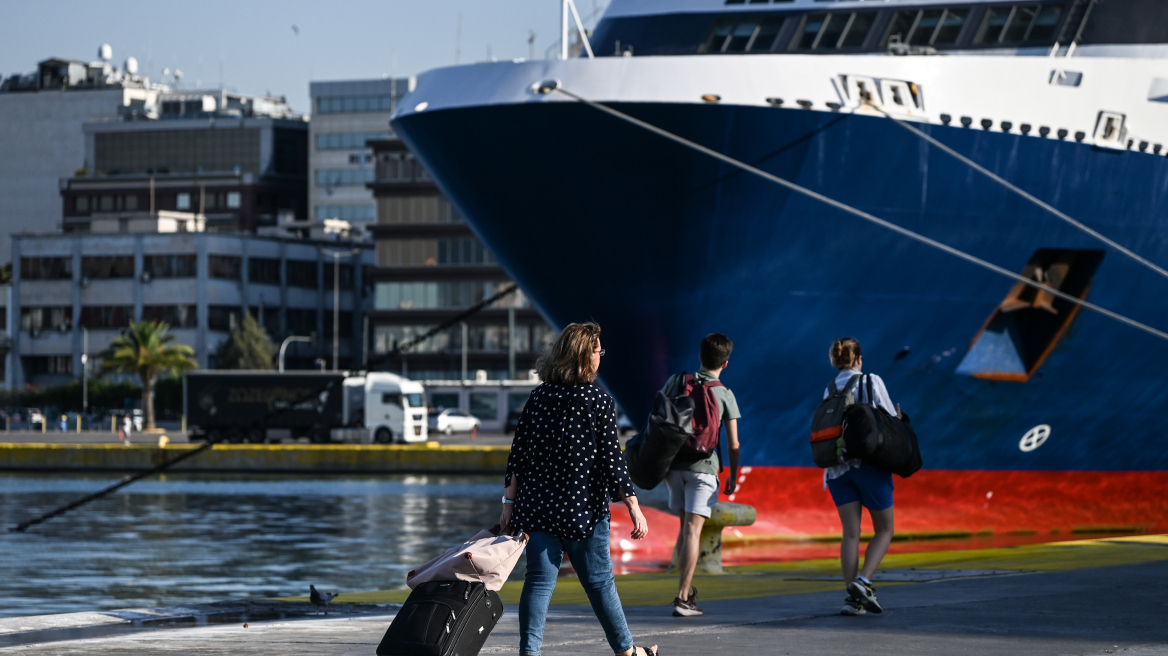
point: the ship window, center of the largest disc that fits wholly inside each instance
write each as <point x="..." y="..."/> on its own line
<point x="926" y="24"/>
<point x="832" y="31"/>
<point x="902" y="26"/>
<point x="1020" y="24"/>
<point x="1028" y="324"/>
<point x="747" y="36"/>
<point x="950" y="27"/>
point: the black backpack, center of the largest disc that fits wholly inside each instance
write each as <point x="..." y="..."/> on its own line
<point x="828" y="448"/>
<point x="650" y="452"/>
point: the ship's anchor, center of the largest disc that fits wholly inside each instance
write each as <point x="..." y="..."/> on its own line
<point x="1034" y="438"/>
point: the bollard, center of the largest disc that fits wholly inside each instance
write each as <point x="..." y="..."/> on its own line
<point x="163" y="441"/>
<point x="113" y="424"/>
<point x="78" y="423"/>
<point x="723" y="514"/>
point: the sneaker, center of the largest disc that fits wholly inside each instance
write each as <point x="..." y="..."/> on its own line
<point x="687" y="607"/>
<point x="864" y="593"/>
<point x="852" y="607"/>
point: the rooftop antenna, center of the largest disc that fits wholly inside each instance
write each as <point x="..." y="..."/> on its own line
<point x="105" y="52"/>
<point x="131" y="66"/>
<point x="531" y="44"/>
<point x="458" y="41"/>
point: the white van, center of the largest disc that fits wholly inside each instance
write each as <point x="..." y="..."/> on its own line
<point x="395" y="409"/>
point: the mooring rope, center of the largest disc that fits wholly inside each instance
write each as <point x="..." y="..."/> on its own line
<point x="555" y="86"/>
<point x="1023" y="193"/>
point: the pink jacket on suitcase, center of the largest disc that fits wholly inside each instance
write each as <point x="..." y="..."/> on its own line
<point x="486" y="557"/>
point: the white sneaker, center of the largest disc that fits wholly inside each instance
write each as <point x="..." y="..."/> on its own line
<point x="864" y="593"/>
<point x="852" y="607"/>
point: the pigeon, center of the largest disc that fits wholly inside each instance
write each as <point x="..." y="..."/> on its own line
<point x="319" y="598"/>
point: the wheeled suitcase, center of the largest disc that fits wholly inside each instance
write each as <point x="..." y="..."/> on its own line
<point x="443" y="618"/>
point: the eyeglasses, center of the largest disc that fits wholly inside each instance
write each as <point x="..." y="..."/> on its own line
<point x="601" y="352"/>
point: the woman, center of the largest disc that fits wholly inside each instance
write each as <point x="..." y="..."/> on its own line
<point x="855" y="485"/>
<point x="564" y="466"/>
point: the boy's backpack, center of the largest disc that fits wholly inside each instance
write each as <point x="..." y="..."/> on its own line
<point x="827" y="424"/>
<point x="707" y="418"/>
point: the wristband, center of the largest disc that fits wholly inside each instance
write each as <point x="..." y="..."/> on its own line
<point x="506" y="500"/>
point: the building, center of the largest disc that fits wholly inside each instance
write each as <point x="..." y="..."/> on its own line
<point x="346" y="115"/>
<point x="240" y="160"/>
<point x="431" y="267"/>
<point x="41" y="114"/>
<point x="198" y="282"/>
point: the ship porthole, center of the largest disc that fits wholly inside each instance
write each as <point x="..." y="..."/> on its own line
<point x="1034" y="438"/>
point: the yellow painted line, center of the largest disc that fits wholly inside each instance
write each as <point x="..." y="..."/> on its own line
<point x="790" y="578"/>
<point x="303" y="458"/>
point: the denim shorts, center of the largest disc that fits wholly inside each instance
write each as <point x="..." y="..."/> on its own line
<point x="870" y="486"/>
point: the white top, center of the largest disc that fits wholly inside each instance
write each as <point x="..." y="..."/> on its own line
<point x="879" y="391"/>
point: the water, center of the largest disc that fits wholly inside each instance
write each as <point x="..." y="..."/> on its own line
<point x="189" y="539"/>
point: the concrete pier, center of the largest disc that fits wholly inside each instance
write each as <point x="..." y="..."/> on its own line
<point x="1086" y="597"/>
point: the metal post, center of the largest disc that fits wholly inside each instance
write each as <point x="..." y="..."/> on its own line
<point x="365" y="344"/>
<point x="84" y="369"/>
<point x="463" y="350"/>
<point x="563" y="31"/>
<point x="511" y="343"/>
<point x="336" y="308"/>
<point x="184" y="415"/>
<point x="283" y="349"/>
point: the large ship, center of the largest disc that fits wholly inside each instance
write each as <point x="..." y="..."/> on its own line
<point x="1036" y="416"/>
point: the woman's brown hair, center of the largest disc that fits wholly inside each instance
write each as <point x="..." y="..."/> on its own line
<point x="568" y="361"/>
<point x="844" y="353"/>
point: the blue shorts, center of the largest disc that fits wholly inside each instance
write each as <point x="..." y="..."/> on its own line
<point x="870" y="486"/>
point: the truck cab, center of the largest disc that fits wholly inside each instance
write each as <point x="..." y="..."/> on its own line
<point x="395" y="409"/>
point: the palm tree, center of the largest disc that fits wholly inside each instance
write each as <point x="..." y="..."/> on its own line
<point x="145" y="348"/>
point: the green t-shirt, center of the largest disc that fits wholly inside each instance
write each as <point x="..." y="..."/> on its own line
<point x="728" y="408"/>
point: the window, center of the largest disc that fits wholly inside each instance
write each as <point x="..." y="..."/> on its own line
<point x="301" y="322"/>
<point x="170" y="266"/>
<point x="46" y="318"/>
<point x="345" y="319"/>
<point x="267" y="317"/>
<point x="176" y="316"/>
<point x="1028" y="323"/>
<point x="927" y="27"/>
<point x="130" y="202"/>
<point x="346" y="276"/>
<point x="463" y="251"/>
<point x="416" y="400"/>
<point x="344" y="177"/>
<point x="81" y="204"/>
<point x="484" y="405"/>
<point x="516" y="401"/>
<point x="174" y="150"/>
<point x="834" y="31"/>
<point x="222" y="317"/>
<point x="234" y="200"/>
<point x="347" y="212"/>
<point x="49" y="365"/>
<point x="443" y="400"/>
<point x="263" y="271"/>
<point x="302" y="274"/>
<point x="183" y="201"/>
<point x="107" y="316"/>
<point x="46" y="268"/>
<point x="347" y="140"/>
<point x="107" y="203"/>
<point x="429" y="295"/>
<point x="744" y="36"/>
<point x="354" y="104"/>
<point x="118" y="266"/>
<point x="1020" y="24"/>
<point x="224" y="267"/>
<point x="399" y="167"/>
<point x="389" y="398"/>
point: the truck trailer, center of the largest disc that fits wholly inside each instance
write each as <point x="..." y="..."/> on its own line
<point x="325" y="407"/>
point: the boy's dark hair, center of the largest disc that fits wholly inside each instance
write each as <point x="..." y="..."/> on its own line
<point x="716" y="349"/>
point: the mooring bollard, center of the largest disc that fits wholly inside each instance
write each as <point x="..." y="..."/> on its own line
<point x="723" y="514"/>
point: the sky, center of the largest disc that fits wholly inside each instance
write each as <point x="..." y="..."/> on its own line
<point x="261" y="46"/>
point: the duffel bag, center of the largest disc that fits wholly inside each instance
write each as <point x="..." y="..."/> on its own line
<point x="650" y="453"/>
<point x="881" y="440"/>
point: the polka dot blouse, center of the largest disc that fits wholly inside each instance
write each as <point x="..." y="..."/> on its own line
<point x="568" y="460"/>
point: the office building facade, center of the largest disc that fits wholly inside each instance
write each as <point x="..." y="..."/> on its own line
<point x="345" y="116"/>
<point x="431" y="267"/>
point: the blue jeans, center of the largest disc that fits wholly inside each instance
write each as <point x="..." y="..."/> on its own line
<point x="593" y="563"/>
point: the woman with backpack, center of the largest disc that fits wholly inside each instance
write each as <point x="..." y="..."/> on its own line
<point x="855" y="485"/>
<point x="565" y="466"/>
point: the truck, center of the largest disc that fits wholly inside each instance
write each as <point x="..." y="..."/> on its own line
<point x="325" y="407"/>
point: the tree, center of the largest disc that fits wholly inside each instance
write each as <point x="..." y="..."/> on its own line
<point x="147" y="349"/>
<point x="247" y="347"/>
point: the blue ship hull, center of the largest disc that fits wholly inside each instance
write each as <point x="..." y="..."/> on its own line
<point x="598" y="219"/>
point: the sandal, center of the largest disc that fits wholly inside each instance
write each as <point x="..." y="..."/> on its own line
<point x="646" y="650"/>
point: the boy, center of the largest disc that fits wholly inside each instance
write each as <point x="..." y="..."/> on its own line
<point x="693" y="486"/>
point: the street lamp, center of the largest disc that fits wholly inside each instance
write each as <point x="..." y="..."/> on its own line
<point x="284" y="347"/>
<point x="337" y="255"/>
<point x="84" y="370"/>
